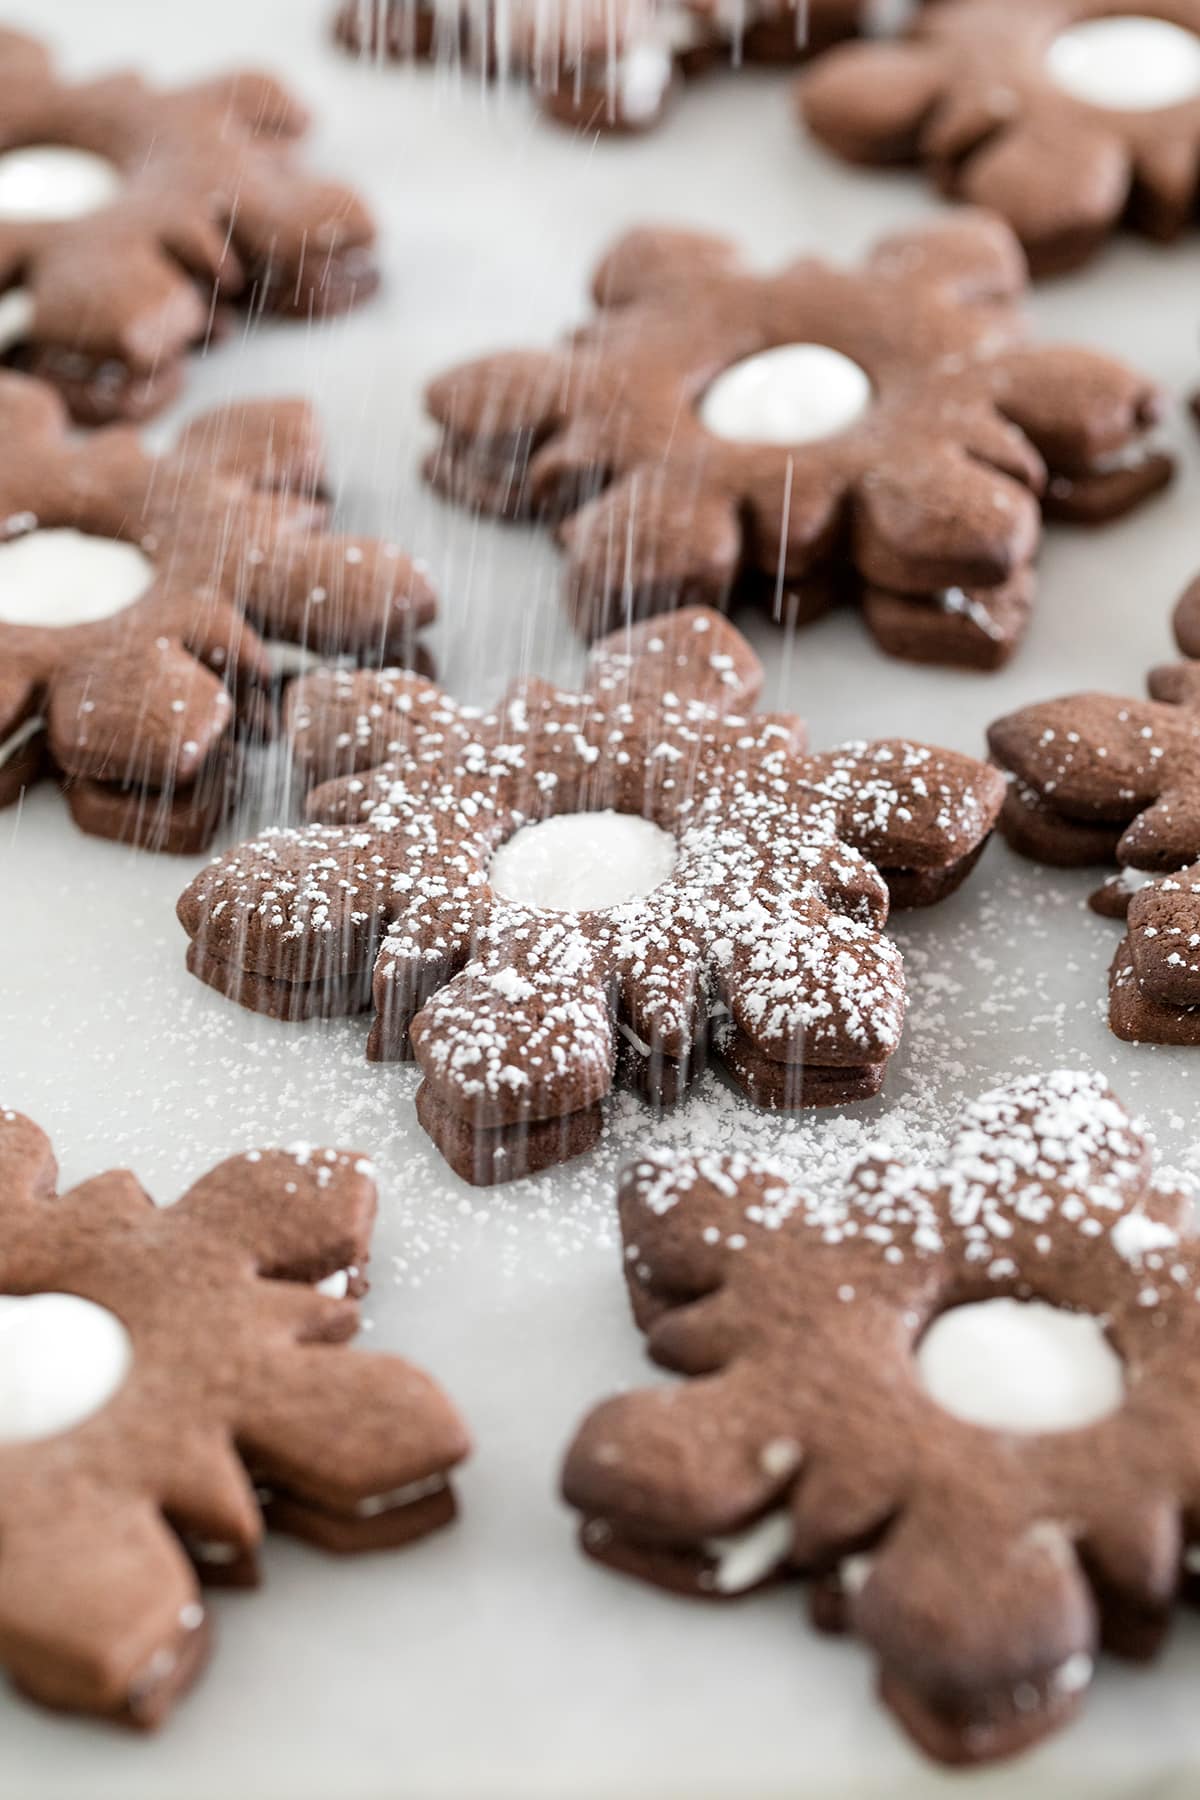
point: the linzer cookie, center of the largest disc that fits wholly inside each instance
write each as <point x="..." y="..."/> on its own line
<point x="128" y="212"/>
<point x="580" y="887"/>
<point x="599" y="65"/>
<point x="167" y="1377"/>
<point x="884" y="434"/>
<point x="1068" y="117"/>
<point x="132" y="593"/>
<point x="907" y="1393"/>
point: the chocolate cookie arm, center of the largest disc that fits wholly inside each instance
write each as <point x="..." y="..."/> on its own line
<point x="651" y="260"/>
<point x="1077" y="406"/>
<point x="109" y="292"/>
<point x="304" y="243"/>
<point x="972" y="255"/>
<point x="909" y="806"/>
<point x="953" y="1615"/>
<point x="25" y="65"/>
<point x="146" y="716"/>
<point x="494" y="413"/>
<point x="1185" y="620"/>
<point x="292" y="1423"/>
<point x="872" y="105"/>
<point x="1093" y="174"/>
<point x="356" y="595"/>
<point x="99" y="1607"/>
<point x="683" y="1462"/>
<point x="649" y="543"/>
<point x="28" y="1170"/>
<point x="943" y="521"/>
<point x="262" y="104"/>
<point x="305" y="907"/>
<point x="503" y="1044"/>
<point x="272" y="444"/>
<point x="301" y="1217"/>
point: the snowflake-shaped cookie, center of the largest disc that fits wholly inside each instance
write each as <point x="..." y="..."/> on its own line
<point x="167" y="1375"/>
<point x="132" y="592"/>
<point x="128" y="212"/>
<point x="1067" y="117"/>
<point x="984" y="1494"/>
<point x="741" y="891"/>
<point x="885" y="433"/>
<point x="599" y="65"/>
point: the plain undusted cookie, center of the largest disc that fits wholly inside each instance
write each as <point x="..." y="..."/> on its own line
<point x="133" y="590"/>
<point x="982" y="1496"/>
<point x="168" y="1376"/>
<point x="884" y="434"/>
<point x="599" y="65"/>
<point x="1068" y="117"/>
<point x="127" y="213"/>
<point x="747" y="920"/>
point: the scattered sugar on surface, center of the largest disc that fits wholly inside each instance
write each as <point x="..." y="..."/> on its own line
<point x="185" y="1078"/>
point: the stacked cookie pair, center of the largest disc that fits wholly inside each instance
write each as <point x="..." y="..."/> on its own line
<point x="886" y="436"/>
<point x="580" y="886"/>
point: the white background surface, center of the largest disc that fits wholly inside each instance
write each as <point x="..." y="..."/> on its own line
<point x="494" y="1661"/>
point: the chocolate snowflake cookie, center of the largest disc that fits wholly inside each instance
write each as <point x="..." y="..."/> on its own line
<point x="582" y="884"/>
<point x="132" y="592"/>
<point x="130" y="216"/>
<point x="885" y="434"/>
<point x="960" y="1400"/>
<point x="167" y="1377"/>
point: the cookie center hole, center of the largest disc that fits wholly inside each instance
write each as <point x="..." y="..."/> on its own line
<point x="790" y="395"/>
<point x="54" y="181"/>
<point x="583" y="862"/>
<point x="61" y="1359"/>
<point x="1021" y="1365"/>
<point x="66" y="577"/>
<point x="1128" y="63"/>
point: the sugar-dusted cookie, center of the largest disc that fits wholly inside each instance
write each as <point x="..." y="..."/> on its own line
<point x="961" y="1400"/>
<point x="133" y="590"/>
<point x="127" y="213"/>
<point x="1068" y="117"/>
<point x="168" y="1376"/>
<point x="886" y="434"/>
<point x="599" y="65"/>
<point x="582" y="886"/>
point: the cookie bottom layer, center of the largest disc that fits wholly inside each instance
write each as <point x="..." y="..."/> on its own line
<point x="293" y="1001"/>
<point x="179" y="823"/>
<point x="1037" y="831"/>
<point x="792" y="1086"/>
